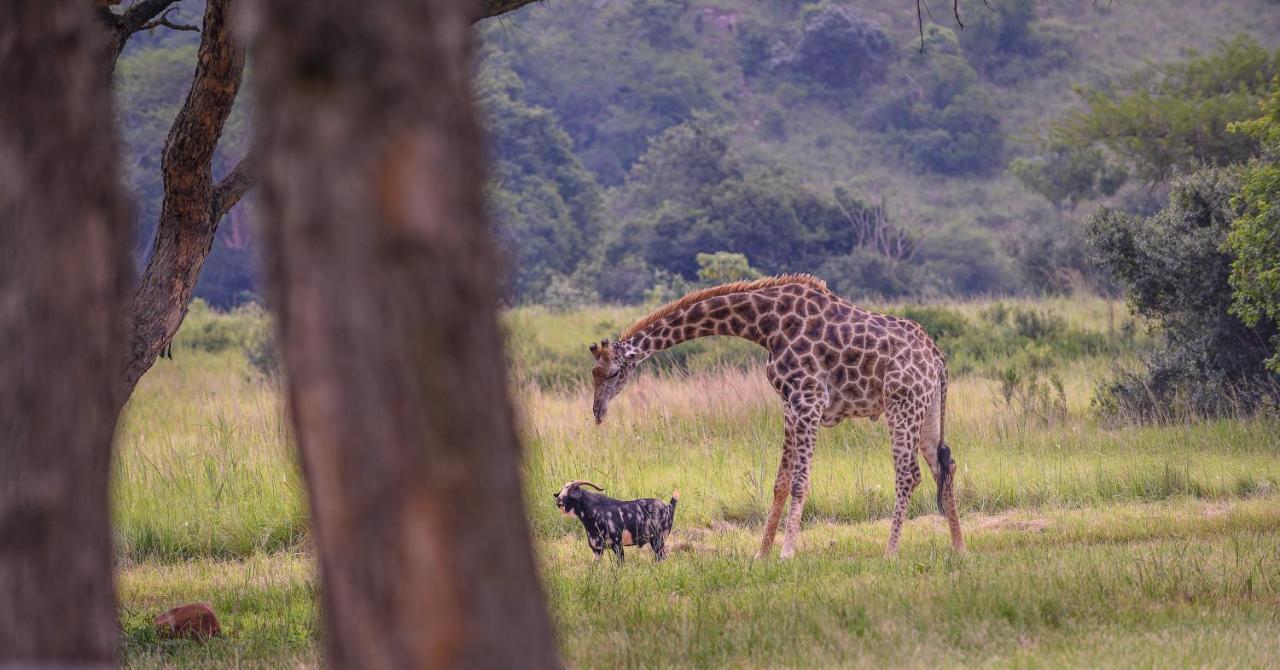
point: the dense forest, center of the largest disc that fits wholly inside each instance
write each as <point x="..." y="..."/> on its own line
<point x="629" y="138"/>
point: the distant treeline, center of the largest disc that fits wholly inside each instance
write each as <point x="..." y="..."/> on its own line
<point x="630" y="137"/>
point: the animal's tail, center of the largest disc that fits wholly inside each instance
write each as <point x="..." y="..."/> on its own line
<point x="945" y="464"/>
<point x="675" y="498"/>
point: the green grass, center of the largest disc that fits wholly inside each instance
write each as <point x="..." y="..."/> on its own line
<point x="1089" y="545"/>
<point x="1181" y="583"/>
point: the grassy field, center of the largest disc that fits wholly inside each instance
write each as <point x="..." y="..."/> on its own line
<point x="1090" y="544"/>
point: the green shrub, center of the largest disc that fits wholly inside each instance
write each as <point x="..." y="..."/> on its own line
<point x="941" y="323"/>
<point x="1175" y="271"/>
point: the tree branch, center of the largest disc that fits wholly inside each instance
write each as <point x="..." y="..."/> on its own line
<point x="164" y="21"/>
<point x="143" y="12"/>
<point x="497" y="7"/>
<point x="233" y="186"/>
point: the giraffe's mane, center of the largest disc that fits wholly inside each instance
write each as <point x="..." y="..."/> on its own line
<point x="723" y="289"/>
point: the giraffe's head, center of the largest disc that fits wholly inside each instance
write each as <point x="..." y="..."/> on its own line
<point x="616" y="364"/>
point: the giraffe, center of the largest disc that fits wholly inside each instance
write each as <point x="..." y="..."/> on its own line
<point x="829" y="360"/>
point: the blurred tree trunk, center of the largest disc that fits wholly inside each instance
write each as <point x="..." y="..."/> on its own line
<point x="384" y="274"/>
<point x="64" y="261"/>
<point x="193" y="204"/>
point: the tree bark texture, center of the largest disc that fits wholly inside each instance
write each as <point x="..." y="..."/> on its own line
<point x="384" y="275"/>
<point x="64" y="278"/>
<point x="193" y="205"/>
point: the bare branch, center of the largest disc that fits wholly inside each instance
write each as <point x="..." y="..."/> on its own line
<point x="498" y="7"/>
<point x="142" y="13"/>
<point x="164" y="21"/>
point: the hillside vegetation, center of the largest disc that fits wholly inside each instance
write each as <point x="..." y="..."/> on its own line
<point x="630" y="136"/>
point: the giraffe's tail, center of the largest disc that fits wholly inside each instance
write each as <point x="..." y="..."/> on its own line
<point x="944" y="473"/>
<point x="945" y="463"/>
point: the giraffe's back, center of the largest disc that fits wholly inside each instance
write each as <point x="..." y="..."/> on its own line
<point x="856" y="355"/>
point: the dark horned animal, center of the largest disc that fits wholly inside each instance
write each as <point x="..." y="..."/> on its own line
<point x="612" y="524"/>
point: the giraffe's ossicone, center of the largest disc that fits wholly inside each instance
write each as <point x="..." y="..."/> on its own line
<point x="829" y="360"/>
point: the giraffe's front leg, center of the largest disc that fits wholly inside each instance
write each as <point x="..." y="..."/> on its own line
<point x="806" y="436"/>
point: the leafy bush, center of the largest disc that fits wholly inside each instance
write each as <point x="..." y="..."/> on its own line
<point x="941" y="323"/>
<point x="936" y="116"/>
<point x="723" y="267"/>
<point x="959" y="259"/>
<point x="1175" y="272"/>
<point x="865" y="273"/>
<point x="1174" y="118"/>
<point x="262" y="351"/>
<point x="205" y="329"/>
<point x="563" y="294"/>
<point x="688" y="193"/>
<point x="1066" y="175"/>
<point x="547" y="209"/>
<point x="1255" y="236"/>
<point x="836" y="46"/>
<point x="1010" y="45"/>
<point x="1051" y="256"/>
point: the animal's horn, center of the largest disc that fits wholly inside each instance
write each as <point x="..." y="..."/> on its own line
<point x="594" y="347"/>
<point x="583" y="482"/>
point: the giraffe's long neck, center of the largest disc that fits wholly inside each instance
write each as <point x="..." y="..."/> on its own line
<point x="742" y="315"/>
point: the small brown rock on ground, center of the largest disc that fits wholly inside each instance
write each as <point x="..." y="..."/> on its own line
<point x="194" y="622"/>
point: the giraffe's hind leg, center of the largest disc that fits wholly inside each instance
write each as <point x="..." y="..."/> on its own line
<point x="806" y="433"/>
<point x="937" y="455"/>
<point x="781" y="484"/>
<point x="905" y="419"/>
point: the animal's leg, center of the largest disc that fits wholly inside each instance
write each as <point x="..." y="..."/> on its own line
<point x="938" y="455"/>
<point x="904" y="419"/>
<point x="617" y="550"/>
<point x="781" y="484"/>
<point x="806" y="434"/>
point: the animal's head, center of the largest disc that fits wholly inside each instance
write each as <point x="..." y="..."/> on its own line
<point x="616" y="364"/>
<point x="570" y="496"/>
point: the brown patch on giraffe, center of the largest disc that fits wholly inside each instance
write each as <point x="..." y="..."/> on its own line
<point x="791" y="325"/>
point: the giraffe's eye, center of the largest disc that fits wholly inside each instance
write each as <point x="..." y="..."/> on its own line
<point x="613" y="374"/>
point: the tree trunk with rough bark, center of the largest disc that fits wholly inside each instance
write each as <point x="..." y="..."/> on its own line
<point x="383" y="272"/>
<point x="64" y="277"/>
<point x="193" y="204"/>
